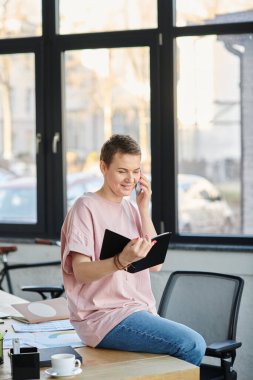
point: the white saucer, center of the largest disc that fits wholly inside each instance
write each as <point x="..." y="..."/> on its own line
<point x="52" y="373"/>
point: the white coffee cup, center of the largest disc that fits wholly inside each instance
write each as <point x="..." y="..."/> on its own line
<point x="64" y="364"/>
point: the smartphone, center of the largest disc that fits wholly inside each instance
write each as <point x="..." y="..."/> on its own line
<point x="138" y="187"/>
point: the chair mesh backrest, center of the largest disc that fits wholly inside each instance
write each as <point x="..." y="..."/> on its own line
<point x="206" y="302"/>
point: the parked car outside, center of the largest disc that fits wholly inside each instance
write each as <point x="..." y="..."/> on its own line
<point x="80" y="183"/>
<point x="201" y="208"/>
<point x="18" y="201"/>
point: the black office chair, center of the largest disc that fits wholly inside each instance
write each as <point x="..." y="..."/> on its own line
<point x="209" y="303"/>
<point x="46" y="291"/>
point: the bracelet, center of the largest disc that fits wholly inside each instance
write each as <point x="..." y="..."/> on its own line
<point x="118" y="264"/>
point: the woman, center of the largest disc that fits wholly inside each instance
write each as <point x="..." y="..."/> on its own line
<point x="110" y="307"/>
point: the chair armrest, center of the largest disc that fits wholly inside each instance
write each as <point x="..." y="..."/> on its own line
<point x="222" y="347"/>
<point x="36" y="288"/>
<point x="55" y="291"/>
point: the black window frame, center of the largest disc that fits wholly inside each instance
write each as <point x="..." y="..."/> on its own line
<point x="169" y="134"/>
<point x="30" y="45"/>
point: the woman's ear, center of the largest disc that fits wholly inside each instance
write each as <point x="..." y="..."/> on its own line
<point x="102" y="167"/>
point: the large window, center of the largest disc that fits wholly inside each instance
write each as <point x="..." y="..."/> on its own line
<point x="209" y="127"/>
<point x="107" y="91"/>
<point x="213" y="93"/>
<point x="197" y="12"/>
<point x="20" y="18"/>
<point x="18" y="160"/>
<point x="85" y="16"/>
<point x="174" y="75"/>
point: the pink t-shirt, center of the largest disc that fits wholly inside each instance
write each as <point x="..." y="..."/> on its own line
<point x="97" y="307"/>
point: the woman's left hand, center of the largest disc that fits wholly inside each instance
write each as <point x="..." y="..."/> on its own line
<point x="144" y="196"/>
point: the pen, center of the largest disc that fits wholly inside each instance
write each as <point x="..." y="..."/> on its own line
<point x="16" y="345"/>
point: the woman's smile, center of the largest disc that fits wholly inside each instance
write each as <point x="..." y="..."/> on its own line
<point x="128" y="186"/>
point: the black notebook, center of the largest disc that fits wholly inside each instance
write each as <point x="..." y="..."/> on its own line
<point x="46" y="353"/>
<point x="114" y="243"/>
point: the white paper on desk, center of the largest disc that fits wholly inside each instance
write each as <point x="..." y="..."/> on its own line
<point x="25" y="339"/>
<point x="44" y="339"/>
<point x="9" y="311"/>
<point x="61" y="325"/>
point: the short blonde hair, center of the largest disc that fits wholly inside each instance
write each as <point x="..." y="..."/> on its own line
<point x="119" y="144"/>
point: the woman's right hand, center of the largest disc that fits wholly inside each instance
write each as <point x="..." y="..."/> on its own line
<point x="136" y="250"/>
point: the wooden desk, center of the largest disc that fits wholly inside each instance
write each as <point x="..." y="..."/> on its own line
<point x="100" y="364"/>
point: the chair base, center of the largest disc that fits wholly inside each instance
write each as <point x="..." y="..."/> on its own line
<point x="211" y="372"/>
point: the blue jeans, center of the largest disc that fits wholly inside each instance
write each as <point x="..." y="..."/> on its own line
<point x="145" y="332"/>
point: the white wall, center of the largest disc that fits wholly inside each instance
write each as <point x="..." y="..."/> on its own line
<point x="237" y="263"/>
